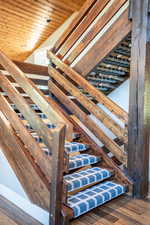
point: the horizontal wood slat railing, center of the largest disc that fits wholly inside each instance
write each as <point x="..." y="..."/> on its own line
<point x="36" y="152"/>
<point x="66" y="80"/>
<point x="99" y="96"/>
<point x="82" y="13"/>
<point x="92" y="14"/>
<point x="111" y="8"/>
<point x="91" y="125"/>
<point x="35" y="94"/>
<point x="102" y="21"/>
<point x="110" y="39"/>
<point x="47" y="169"/>
<point x="23" y="165"/>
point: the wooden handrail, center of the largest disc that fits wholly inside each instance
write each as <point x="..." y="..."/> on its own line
<point x="35" y="121"/>
<point x="23" y="165"/>
<point x="30" y="68"/>
<point x="36" y="152"/>
<point x="81" y="28"/>
<point x="83" y="11"/>
<point x="91" y="125"/>
<point x="110" y="8"/>
<point x="110" y="39"/>
<point x="33" y="92"/>
<point x="88" y="104"/>
<point x="99" y="96"/>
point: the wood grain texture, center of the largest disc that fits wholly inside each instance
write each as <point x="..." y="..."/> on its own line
<point x="99" y="96"/>
<point x="88" y="104"/>
<point x="24" y="25"/>
<point x="23" y="165"/>
<point x="92" y="126"/>
<point x="121" y="211"/>
<point x="139" y="111"/>
<point x="110" y="39"/>
<point x="12" y="215"/>
<point x="37" y="153"/>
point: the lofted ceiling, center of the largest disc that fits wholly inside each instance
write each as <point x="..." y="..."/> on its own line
<point x="26" y="24"/>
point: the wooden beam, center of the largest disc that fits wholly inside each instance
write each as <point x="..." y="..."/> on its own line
<point x="110" y="39"/>
<point x="23" y="165"/>
<point x="32" y="91"/>
<point x="139" y="103"/>
<point x="87" y="20"/>
<point x="30" y="68"/>
<point x="89" y="123"/>
<point x="43" y="161"/>
<point x="76" y="21"/>
<point x="95" y="29"/>
<point x="88" y="104"/>
<point x="98" y="95"/>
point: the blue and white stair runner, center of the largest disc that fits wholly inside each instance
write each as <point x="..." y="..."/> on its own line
<point x="86" y="177"/>
<point x="97" y="195"/>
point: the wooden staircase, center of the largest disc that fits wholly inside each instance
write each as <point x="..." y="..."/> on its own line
<point x="51" y="140"/>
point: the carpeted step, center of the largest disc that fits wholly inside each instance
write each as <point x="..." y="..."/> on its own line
<point x="86" y="200"/>
<point x="82" y="160"/>
<point x="70" y="147"/>
<point x="86" y="177"/>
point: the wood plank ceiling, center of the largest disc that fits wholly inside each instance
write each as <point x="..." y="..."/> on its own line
<point x="26" y="24"/>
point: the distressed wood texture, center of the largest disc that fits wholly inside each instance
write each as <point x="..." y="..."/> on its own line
<point x="32" y="91"/>
<point x="121" y="211"/>
<point x="84" y="9"/>
<point x="37" y="153"/>
<point x="33" y="182"/>
<point x="139" y="110"/>
<point x="88" y="104"/>
<point x="28" y="113"/>
<point x="56" y="192"/>
<point x="30" y="68"/>
<point x="110" y="39"/>
<point x="97" y="27"/>
<point x="99" y="96"/>
<point x="12" y="215"/>
<point x="87" y="20"/>
<point x="112" y="146"/>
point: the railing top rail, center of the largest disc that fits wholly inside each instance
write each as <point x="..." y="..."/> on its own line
<point x="99" y="96"/>
<point x="30" y="88"/>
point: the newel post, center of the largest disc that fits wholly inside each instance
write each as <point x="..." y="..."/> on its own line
<point x="139" y="100"/>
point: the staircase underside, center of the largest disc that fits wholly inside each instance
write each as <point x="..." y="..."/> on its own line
<point x="114" y="69"/>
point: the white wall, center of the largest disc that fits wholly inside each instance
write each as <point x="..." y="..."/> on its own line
<point x="49" y="43"/>
<point x="8" y="177"/>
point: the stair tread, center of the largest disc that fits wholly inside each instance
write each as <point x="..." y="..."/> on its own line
<point x="83" y="178"/>
<point x="70" y="147"/>
<point x="81" y="160"/>
<point x="95" y="196"/>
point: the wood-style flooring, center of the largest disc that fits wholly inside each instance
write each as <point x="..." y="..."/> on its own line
<point x="12" y="215"/>
<point x="121" y="211"/>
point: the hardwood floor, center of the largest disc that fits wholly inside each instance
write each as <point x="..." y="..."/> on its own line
<point x="121" y="211"/>
<point x="12" y="215"/>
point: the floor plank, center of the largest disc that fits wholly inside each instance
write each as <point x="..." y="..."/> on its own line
<point x="121" y="211"/>
<point x="12" y="215"/>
